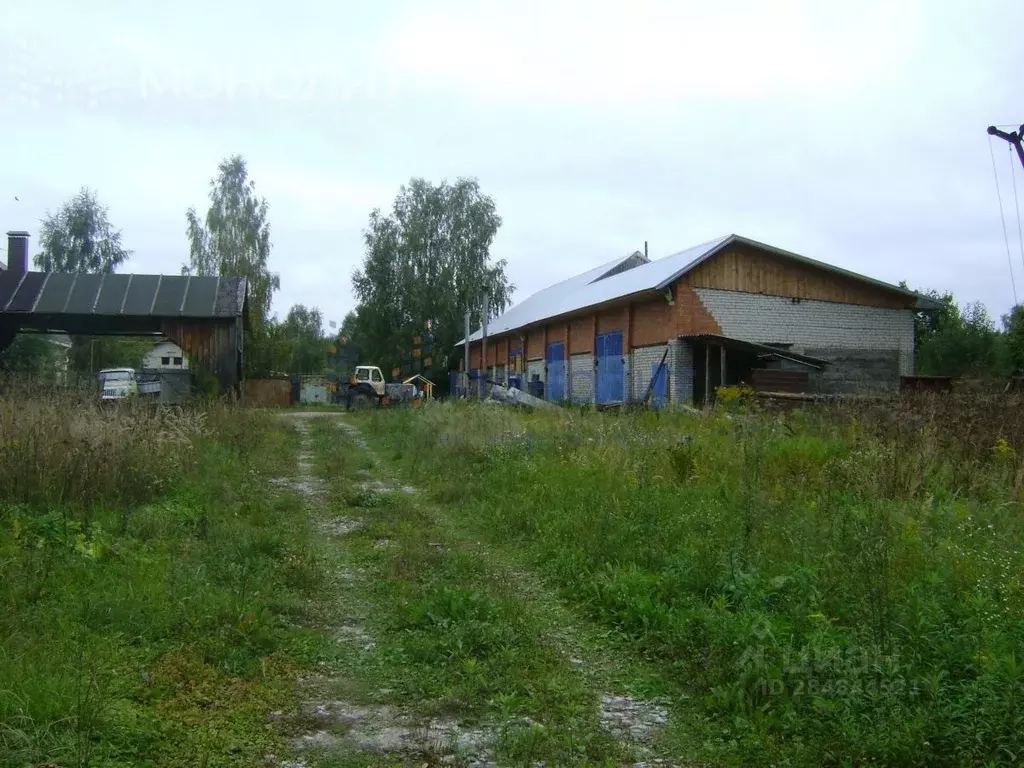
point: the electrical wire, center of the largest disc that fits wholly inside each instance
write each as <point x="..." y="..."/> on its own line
<point x="1002" y="216"/>
<point x="1013" y="177"/>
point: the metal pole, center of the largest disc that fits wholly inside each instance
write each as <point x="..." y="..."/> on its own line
<point x="1015" y="139"/>
<point x="465" y="391"/>
<point x="707" y="373"/>
<point x="483" y="350"/>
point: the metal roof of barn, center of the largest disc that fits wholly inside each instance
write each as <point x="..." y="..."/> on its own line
<point x="615" y="280"/>
<point x="120" y="295"/>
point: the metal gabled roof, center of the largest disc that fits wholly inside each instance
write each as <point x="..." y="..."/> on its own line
<point x="166" y="296"/>
<point x="544" y="303"/>
<point x="591" y="288"/>
<point x="608" y="283"/>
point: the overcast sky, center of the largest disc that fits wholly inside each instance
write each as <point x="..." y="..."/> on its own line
<point x="853" y="133"/>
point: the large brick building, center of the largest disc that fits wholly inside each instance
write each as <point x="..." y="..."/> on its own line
<point x="725" y="311"/>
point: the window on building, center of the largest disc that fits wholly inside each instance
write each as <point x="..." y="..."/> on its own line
<point x="165" y="361"/>
<point x="177" y="361"/>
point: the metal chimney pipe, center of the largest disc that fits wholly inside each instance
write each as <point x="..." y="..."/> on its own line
<point x="17" y="252"/>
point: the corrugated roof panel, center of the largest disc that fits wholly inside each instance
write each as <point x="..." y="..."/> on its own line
<point x="28" y="292"/>
<point x="730" y="342"/>
<point x="170" y="296"/>
<point x="202" y="294"/>
<point x="141" y="293"/>
<point x="134" y="295"/>
<point x="83" y="294"/>
<point x="112" y="294"/>
<point x="8" y="285"/>
<point x="55" y="293"/>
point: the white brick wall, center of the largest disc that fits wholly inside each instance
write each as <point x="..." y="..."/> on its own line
<point x="534" y="367"/>
<point x="644" y="359"/>
<point x="808" y="324"/>
<point x="680" y="368"/>
<point x="581" y="378"/>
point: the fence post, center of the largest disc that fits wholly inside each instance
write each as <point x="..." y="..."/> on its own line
<point x="483" y="351"/>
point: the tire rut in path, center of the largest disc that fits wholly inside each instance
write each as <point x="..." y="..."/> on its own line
<point x="328" y="726"/>
<point x="631" y="721"/>
<point x="338" y="726"/>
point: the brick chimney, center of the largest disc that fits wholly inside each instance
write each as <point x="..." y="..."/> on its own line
<point x="17" y="252"/>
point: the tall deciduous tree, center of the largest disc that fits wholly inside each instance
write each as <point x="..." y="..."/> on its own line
<point x="80" y="238"/>
<point x="428" y="262"/>
<point x="234" y="238"/>
<point x="957" y="341"/>
<point x="1013" y="340"/>
<point x="303" y="330"/>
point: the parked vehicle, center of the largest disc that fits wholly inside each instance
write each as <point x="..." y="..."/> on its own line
<point x="123" y="383"/>
<point x="367" y="389"/>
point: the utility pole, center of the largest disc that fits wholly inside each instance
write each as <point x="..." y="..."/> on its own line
<point x="483" y="350"/>
<point x="1014" y="139"/>
<point x="465" y="392"/>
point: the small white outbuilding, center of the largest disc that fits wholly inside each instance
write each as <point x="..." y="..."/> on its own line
<point x="166" y="356"/>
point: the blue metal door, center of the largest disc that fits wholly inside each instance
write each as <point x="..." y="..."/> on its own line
<point x="659" y="389"/>
<point x="609" y="368"/>
<point x="555" y="384"/>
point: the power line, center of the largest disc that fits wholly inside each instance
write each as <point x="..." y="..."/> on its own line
<point x="1002" y="216"/>
<point x="1020" y="233"/>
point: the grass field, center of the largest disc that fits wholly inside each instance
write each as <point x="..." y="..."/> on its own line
<point x="832" y="587"/>
<point x="840" y="586"/>
<point x="150" y="585"/>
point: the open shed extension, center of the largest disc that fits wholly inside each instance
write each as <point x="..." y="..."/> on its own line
<point x="721" y="361"/>
<point x="205" y="316"/>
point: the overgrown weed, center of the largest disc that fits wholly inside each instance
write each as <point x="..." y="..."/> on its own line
<point x="148" y="582"/>
<point x="839" y="584"/>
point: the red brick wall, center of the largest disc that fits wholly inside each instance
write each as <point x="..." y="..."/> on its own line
<point x="535" y="344"/>
<point x="691" y="314"/>
<point x="582" y="334"/>
<point x="556" y="332"/>
<point x="612" y="320"/>
<point x="652" y="322"/>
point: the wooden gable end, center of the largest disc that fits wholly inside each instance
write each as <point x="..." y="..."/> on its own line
<point x="752" y="270"/>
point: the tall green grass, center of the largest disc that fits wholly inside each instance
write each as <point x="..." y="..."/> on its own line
<point x="146" y="584"/>
<point x="837" y="586"/>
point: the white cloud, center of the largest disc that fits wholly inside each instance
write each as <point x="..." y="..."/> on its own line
<point x="852" y="133"/>
<point x="620" y="55"/>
